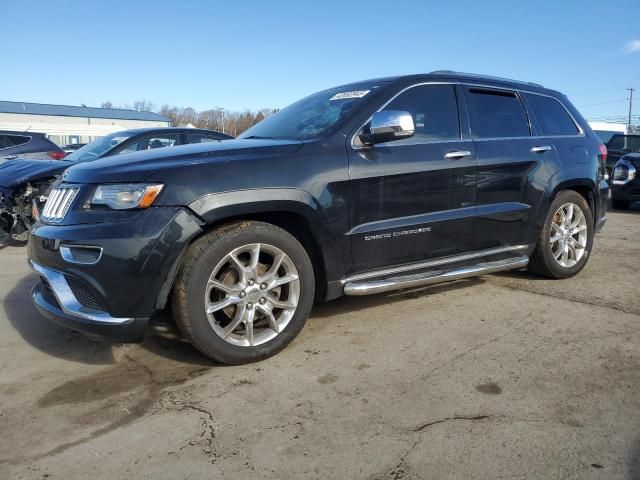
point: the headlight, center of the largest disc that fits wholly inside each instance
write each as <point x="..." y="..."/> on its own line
<point x="126" y="196"/>
<point x="623" y="172"/>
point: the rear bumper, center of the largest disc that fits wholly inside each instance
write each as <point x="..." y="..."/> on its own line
<point x="54" y="299"/>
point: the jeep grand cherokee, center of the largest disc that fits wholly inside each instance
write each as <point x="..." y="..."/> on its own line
<point x="365" y="188"/>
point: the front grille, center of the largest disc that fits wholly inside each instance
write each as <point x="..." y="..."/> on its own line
<point x="58" y="203"/>
<point x="84" y="295"/>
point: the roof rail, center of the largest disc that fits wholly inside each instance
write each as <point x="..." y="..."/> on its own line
<point x="488" y="77"/>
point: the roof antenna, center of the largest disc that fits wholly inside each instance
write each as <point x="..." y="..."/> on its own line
<point x="28" y="128"/>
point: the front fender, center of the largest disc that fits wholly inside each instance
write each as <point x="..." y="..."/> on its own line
<point x="216" y="207"/>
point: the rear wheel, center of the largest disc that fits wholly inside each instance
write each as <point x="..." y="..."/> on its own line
<point x="244" y="292"/>
<point x="565" y="240"/>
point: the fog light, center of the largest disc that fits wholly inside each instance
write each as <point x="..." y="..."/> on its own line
<point x="81" y="254"/>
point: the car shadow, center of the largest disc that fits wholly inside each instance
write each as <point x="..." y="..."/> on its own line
<point x="55" y="340"/>
<point x="521" y="275"/>
<point x="346" y="304"/>
<point x="7" y="241"/>
<point x="163" y="339"/>
<point x="634" y="209"/>
<point x="634" y="463"/>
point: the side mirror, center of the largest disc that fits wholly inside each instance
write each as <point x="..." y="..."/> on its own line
<point x="388" y="125"/>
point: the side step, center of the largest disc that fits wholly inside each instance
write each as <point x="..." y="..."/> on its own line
<point x="368" y="287"/>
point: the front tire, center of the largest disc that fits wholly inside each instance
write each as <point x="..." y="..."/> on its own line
<point x="244" y="292"/>
<point x="566" y="239"/>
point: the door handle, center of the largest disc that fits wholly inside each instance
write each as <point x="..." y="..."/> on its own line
<point x="458" y="154"/>
<point x="543" y="148"/>
<point x="11" y="157"/>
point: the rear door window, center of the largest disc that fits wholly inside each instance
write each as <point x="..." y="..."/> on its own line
<point x="497" y="114"/>
<point x="552" y="116"/>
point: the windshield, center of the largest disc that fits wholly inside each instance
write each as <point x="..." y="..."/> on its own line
<point x="626" y="143"/>
<point x="312" y="116"/>
<point x="98" y="147"/>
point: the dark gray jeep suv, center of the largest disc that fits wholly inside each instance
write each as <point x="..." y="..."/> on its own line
<point x="365" y="188"/>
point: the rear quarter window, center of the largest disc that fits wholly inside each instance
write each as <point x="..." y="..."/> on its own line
<point x="552" y="116"/>
<point x="7" y="141"/>
<point x="201" y="138"/>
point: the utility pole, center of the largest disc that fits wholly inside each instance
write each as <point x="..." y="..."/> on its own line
<point x="221" y="110"/>
<point x="631" y="90"/>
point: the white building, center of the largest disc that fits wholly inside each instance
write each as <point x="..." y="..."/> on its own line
<point x="606" y="130"/>
<point x="65" y="124"/>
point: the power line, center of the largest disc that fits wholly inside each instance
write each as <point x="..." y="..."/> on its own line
<point x="603" y="103"/>
<point x="596" y="90"/>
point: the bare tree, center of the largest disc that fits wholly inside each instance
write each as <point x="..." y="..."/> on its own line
<point x="144" y="106"/>
<point x="235" y="122"/>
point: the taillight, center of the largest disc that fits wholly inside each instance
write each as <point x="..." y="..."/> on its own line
<point x="57" y="155"/>
<point x="603" y="153"/>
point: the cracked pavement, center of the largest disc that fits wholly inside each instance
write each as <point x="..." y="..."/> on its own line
<point x="502" y="376"/>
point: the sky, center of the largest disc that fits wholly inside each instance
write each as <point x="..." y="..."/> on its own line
<point x="250" y="54"/>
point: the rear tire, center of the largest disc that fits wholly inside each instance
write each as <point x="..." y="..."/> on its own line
<point x="620" y="204"/>
<point x="244" y="292"/>
<point x="565" y="240"/>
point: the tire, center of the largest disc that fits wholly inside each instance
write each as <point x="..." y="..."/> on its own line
<point x="620" y="204"/>
<point x="545" y="260"/>
<point x="226" y="316"/>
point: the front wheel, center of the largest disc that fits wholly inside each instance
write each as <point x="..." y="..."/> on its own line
<point x="565" y="240"/>
<point x="244" y="291"/>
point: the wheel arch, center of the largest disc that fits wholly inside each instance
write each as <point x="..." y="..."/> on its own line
<point x="293" y="210"/>
<point x="586" y="187"/>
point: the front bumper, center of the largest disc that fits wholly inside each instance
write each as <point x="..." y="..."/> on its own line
<point x="629" y="192"/>
<point x="54" y="299"/>
<point x="120" y="273"/>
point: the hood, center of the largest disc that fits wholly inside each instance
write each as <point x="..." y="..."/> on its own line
<point x="16" y="172"/>
<point x="138" y="166"/>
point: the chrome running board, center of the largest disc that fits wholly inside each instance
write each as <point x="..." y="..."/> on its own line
<point x="368" y="287"/>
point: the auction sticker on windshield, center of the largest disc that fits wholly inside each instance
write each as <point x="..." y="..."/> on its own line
<point x="353" y="94"/>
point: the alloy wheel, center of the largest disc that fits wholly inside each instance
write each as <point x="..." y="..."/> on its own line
<point x="252" y="294"/>
<point x="568" y="237"/>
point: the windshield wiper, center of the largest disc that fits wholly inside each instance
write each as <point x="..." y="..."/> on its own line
<point x="256" y="137"/>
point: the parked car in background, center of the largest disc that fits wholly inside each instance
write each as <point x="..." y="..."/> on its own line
<point x="27" y="145"/>
<point x="72" y="147"/>
<point x="25" y="178"/>
<point x="625" y="187"/>
<point x="366" y="188"/>
<point x="620" y="145"/>
<point x="605" y="130"/>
